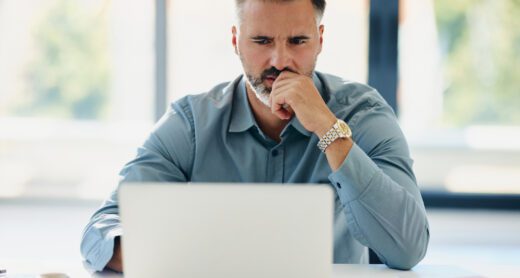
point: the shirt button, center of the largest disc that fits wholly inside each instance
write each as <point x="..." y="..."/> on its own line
<point x="274" y="152"/>
<point x="338" y="185"/>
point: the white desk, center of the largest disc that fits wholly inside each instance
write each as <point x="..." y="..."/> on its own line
<point x="366" y="271"/>
<point x="33" y="269"/>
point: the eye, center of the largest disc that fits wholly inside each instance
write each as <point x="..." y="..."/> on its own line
<point x="297" y="41"/>
<point x="262" y="41"/>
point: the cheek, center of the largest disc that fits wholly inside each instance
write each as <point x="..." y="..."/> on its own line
<point x="306" y="58"/>
<point x="254" y="56"/>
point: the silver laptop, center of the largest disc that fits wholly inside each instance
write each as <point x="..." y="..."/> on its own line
<point x="226" y="230"/>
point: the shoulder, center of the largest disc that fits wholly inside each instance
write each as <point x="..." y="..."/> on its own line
<point x="369" y="116"/>
<point x="350" y="99"/>
<point x="217" y="97"/>
<point x="350" y="93"/>
<point x="215" y="101"/>
<point x="175" y="133"/>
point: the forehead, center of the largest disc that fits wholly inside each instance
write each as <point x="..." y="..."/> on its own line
<point x="278" y="17"/>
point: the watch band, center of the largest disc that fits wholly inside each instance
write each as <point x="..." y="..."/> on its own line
<point x="340" y="129"/>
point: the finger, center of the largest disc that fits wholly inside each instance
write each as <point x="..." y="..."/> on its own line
<point x="285" y="106"/>
<point x="284" y="112"/>
<point x="276" y="103"/>
<point x="279" y="106"/>
<point x="288" y="92"/>
<point x="286" y="75"/>
<point x="284" y="83"/>
<point x="281" y="85"/>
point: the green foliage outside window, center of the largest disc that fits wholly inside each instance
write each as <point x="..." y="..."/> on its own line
<point x="69" y="76"/>
<point x="480" y="43"/>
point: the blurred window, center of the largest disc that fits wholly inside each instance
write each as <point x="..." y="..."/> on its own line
<point x="76" y="92"/>
<point x="459" y="93"/>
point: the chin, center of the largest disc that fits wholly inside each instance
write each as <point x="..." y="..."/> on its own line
<point x="264" y="98"/>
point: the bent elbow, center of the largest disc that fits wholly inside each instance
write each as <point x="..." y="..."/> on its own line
<point x="411" y="255"/>
<point x="404" y="262"/>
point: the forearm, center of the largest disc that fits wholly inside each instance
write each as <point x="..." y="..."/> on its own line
<point x="394" y="226"/>
<point x="384" y="212"/>
<point x="337" y="151"/>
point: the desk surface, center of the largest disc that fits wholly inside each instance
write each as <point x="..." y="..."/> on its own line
<point x="33" y="270"/>
<point x="359" y="270"/>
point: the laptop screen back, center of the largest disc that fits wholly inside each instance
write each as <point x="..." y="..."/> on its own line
<point x="225" y="230"/>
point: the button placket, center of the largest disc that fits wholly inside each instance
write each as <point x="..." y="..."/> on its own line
<point x="275" y="165"/>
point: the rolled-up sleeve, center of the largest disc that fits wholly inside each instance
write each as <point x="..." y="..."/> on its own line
<point x="377" y="187"/>
<point x="154" y="162"/>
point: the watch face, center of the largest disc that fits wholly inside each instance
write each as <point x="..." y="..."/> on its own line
<point x="344" y="128"/>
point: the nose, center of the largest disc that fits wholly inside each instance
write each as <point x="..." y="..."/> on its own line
<point x="281" y="57"/>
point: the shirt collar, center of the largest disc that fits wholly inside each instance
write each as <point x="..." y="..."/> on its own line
<point x="242" y="116"/>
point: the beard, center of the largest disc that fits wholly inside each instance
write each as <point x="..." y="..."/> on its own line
<point x="262" y="91"/>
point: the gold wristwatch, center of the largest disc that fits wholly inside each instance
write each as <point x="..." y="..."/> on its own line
<point x="340" y="129"/>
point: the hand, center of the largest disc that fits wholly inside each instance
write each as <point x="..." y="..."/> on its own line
<point x="296" y="93"/>
<point x="116" y="262"/>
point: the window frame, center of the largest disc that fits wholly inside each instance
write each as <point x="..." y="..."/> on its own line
<point x="383" y="74"/>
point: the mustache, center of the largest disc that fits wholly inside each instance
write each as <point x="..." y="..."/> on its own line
<point x="274" y="72"/>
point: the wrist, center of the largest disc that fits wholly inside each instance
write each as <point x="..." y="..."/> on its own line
<point x="116" y="262"/>
<point x="326" y="126"/>
<point x="339" y="130"/>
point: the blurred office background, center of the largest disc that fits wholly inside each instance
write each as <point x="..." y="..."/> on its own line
<point x="83" y="81"/>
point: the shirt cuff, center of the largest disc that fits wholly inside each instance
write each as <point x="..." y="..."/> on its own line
<point x="353" y="177"/>
<point x="106" y="249"/>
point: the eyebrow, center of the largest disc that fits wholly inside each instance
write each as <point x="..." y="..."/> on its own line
<point x="301" y="37"/>
<point x="261" y="38"/>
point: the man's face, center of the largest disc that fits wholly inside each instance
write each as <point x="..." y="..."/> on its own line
<point x="276" y="36"/>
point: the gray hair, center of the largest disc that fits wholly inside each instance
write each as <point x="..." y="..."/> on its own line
<point x="319" y="8"/>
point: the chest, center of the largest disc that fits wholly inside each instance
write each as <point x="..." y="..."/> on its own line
<point x="243" y="158"/>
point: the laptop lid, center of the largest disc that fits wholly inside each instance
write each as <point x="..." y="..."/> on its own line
<point x="226" y="230"/>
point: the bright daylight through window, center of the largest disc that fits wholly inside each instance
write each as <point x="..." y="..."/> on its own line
<point x="77" y="85"/>
<point x="76" y="94"/>
<point x="459" y="93"/>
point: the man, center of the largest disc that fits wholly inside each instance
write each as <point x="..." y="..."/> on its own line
<point x="283" y="122"/>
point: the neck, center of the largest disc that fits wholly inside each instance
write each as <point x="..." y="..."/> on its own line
<point x="270" y="125"/>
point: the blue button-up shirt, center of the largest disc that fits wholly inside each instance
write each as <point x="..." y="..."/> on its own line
<point x="213" y="137"/>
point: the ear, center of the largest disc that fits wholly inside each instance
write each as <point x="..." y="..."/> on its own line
<point x="234" y="38"/>
<point x="321" y="29"/>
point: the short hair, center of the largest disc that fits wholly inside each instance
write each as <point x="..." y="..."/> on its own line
<point x="319" y="7"/>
